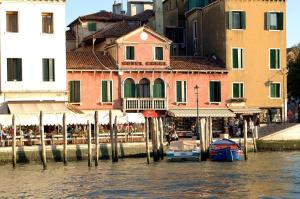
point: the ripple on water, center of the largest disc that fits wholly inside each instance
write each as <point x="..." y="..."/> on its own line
<point x="265" y="175"/>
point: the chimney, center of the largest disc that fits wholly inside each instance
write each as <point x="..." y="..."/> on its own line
<point x="117" y="8"/>
<point x="159" y="16"/>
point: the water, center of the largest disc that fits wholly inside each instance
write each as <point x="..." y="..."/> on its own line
<point x="265" y="175"/>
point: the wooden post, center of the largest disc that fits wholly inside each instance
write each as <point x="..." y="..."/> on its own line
<point x="161" y="129"/>
<point x="245" y="140"/>
<point x="42" y="133"/>
<point x="210" y="131"/>
<point x="65" y="136"/>
<point x="89" y="144"/>
<point x="154" y="139"/>
<point x="116" y="140"/>
<point x="254" y="141"/>
<point x="96" y="134"/>
<point x="147" y="139"/>
<point x="111" y="136"/>
<point x="14" y="151"/>
<point x="203" y="139"/>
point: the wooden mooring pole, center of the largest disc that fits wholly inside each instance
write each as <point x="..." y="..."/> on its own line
<point x="161" y="138"/>
<point x="111" y="136"/>
<point x="96" y="134"/>
<point x="89" y="144"/>
<point x="42" y="133"/>
<point x="147" y="139"/>
<point x="245" y="140"/>
<point x="116" y="140"/>
<point x="65" y="136"/>
<point x="154" y="139"/>
<point x="14" y="151"/>
<point x="204" y="136"/>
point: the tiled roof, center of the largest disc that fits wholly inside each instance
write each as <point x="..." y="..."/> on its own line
<point x="145" y="16"/>
<point x="114" y="30"/>
<point x="196" y="63"/>
<point x="105" y="17"/>
<point x="70" y="35"/>
<point x="88" y="60"/>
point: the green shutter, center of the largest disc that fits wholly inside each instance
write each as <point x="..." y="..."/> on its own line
<point x="77" y="91"/>
<point x="71" y="91"/>
<point x="132" y="53"/>
<point x="18" y="69"/>
<point x="267" y="21"/>
<point x="178" y="91"/>
<point x="110" y="91"/>
<point x="275" y="90"/>
<point x="273" y="59"/>
<point x="92" y="26"/>
<point x="280" y="21"/>
<point x="236" y="93"/>
<point x="211" y="92"/>
<point x="242" y="90"/>
<point x="129" y="89"/>
<point x="243" y="20"/>
<point x="185" y="91"/>
<point x="229" y="20"/>
<point x="104" y="91"/>
<point x="235" y="58"/>
<point x="159" y="53"/>
<point x="45" y="70"/>
<point x="218" y="91"/>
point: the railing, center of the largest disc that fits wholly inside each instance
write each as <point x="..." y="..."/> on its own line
<point x="145" y="104"/>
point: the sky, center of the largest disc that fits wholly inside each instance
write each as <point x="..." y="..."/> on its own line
<point x="76" y="8"/>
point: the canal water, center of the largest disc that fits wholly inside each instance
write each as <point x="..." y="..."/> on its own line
<point x="265" y="175"/>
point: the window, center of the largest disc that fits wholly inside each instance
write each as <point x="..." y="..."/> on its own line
<point x="274" y="21"/>
<point x="129" y="88"/>
<point x="159" y="53"/>
<point x="275" y="90"/>
<point x="236" y="20"/>
<point x="237" y="90"/>
<point x="92" y="26"/>
<point x="237" y="58"/>
<point x="129" y="52"/>
<point x="74" y="91"/>
<point x="48" y="70"/>
<point x="195" y="29"/>
<point x="47" y="23"/>
<point x="275" y="59"/>
<point x="12" y="21"/>
<point x="181" y="91"/>
<point x="14" y="69"/>
<point x="215" y="91"/>
<point x="106" y="86"/>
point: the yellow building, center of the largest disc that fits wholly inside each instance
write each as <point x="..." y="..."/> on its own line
<point x="250" y="37"/>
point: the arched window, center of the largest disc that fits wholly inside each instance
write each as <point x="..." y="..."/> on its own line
<point x="159" y="88"/>
<point x="143" y="89"/>
<point x="129" y="88"/>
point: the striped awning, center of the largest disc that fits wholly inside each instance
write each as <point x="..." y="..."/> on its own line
<point x="249" y="111"/>
<point x="202" y="113"/>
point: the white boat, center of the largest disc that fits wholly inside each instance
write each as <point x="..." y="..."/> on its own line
<point x="183" y="150"/>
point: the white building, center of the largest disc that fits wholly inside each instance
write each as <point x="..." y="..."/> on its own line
<point x="32" y="54"/>
<point x="135" y="7"/>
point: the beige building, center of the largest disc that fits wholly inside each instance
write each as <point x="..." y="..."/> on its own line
<point x="250" y="38"/>
<point x="135" y="7"/>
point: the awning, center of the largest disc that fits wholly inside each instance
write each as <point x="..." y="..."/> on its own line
<point x="202" y="113"/>
<point x="36" y="107"/>
<point x="249" y="111"/>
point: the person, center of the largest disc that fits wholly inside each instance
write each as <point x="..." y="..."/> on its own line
<point x="2" y="137"/>
<point x="251" y="125"/>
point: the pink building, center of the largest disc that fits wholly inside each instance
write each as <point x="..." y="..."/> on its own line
<point x="134" y="72"/>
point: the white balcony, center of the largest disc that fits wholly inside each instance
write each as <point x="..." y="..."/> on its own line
<point x="145" y="104"/>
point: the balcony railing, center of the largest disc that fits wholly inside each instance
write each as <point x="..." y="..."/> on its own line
<point x="145" y="104"/>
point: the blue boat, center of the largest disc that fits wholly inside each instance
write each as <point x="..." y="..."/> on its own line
<point x="225" y="150"/>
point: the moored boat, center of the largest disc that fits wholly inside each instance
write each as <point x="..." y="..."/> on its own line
<point x="225" y="150"/>
<point x="183" y="150"/>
